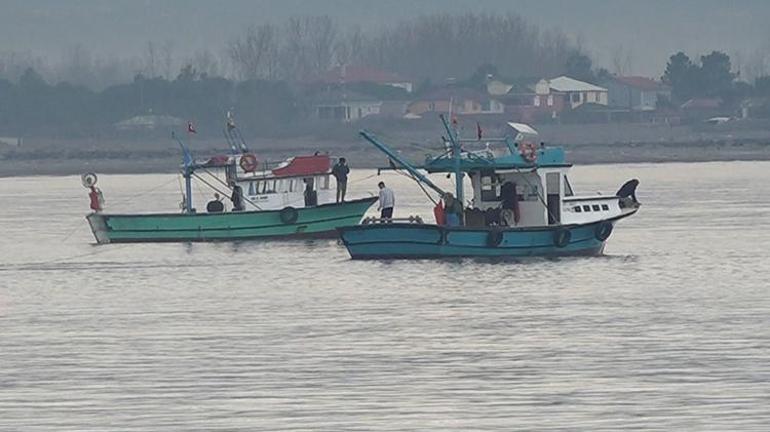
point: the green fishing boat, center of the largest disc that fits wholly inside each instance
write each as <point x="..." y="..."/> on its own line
<point x="310" y="222"/>
<point x="291" y="199"/>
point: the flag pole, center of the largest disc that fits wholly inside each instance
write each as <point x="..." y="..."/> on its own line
<point x="187" y="173"/>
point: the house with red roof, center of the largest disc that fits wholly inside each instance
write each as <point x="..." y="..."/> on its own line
<point x="636" y="93"/>
<point x="702" y="108"/>
<point x="347" y="74"/>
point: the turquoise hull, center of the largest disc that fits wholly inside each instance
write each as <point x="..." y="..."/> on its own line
<point x="319" y="221"/>
<point x="418" y="241"/>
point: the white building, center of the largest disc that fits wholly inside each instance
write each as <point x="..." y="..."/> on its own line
<point x="577" y="92"/>
<point x="345" y="106"/>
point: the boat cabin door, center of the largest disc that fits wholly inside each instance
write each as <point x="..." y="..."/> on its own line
<point x="553" y="197"/>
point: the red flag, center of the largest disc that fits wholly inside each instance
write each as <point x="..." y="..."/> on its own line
<point x="478" y="130"/>
<point x="191" y="128"/>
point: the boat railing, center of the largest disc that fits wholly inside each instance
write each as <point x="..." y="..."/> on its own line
<point x="374" y="220"/>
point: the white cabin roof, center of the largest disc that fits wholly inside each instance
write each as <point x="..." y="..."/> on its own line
<point x="522" y="128"/>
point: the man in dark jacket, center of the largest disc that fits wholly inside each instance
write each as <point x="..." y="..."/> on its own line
<point x="236" y="197"/>
<point x="510" y="204"/>
<point x="340" y="173"/>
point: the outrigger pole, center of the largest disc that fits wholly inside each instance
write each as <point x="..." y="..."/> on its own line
<point x="233" y="146"/>
<point x="407" y="166"/>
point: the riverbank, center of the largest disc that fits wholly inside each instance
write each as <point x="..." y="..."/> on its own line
<point x="363" y="156"/>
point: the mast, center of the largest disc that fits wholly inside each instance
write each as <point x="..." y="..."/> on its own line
<point x="187" y="161"/>
<point x="188" y="189"/>
<point x="456" y="149"/>
<point x="407" y="166"/>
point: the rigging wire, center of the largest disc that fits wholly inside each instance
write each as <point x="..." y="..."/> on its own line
<point x="419" y="183"/>
<point x="225" y="194"/>
<point x="539" y="196"/>
<point x="131" y="198"/>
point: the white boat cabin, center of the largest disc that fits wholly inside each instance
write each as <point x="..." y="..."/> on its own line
<point x="544" y="196"/>
<point x="543" y="192"/>
<point x="302" y="181"/>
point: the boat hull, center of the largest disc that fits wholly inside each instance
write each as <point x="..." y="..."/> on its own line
<point x="311" y="222"/>
<point x="421" y="241"/>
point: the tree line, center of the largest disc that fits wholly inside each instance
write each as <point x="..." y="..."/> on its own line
<point x="432" y="47"/>
<point x="32" y="107"/>
<point x="261" y="73"/>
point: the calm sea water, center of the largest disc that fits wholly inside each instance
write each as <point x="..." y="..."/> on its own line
<point x="669" y="331"/>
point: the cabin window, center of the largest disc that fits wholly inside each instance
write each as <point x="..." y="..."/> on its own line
<point x="596" y="207"/>
<point x="605" y="207"/>
<point x="533" y="194"/>
<point x="488" y="189"/>
<point x="587" y="208"/>
<point x="324" y="182"/>
<point x="575" y="97"/>
<point x="577" y="209"/>
<point x="567" y="188"/>
<point x="252" y="188"/>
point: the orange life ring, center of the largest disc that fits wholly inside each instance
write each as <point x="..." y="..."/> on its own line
<point x="249" y="162"/>
<point x="528" y="151"/>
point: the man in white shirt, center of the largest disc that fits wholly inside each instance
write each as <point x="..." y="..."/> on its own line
<point x="387" y="201"/>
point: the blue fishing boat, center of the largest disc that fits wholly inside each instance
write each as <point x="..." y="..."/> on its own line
<point x="523" y="205"/>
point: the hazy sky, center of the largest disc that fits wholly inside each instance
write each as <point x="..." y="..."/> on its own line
<point x="648" y="30"/>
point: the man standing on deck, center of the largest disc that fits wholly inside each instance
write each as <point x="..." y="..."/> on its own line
<point x="237" y="197"/>
<point x="453" y="209"/>
<point x="387" y="201"/>
<point x="340" y="172"/>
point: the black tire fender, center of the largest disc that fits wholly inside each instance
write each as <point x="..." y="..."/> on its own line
<point x="288" y="215"/>
<point x="603" y="231"/>
<point x="561" y="237"/>
<point x="494" y="238"/>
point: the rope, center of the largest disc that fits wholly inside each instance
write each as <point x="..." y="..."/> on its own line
<point x="419" y="183"/>
<point x="98" y="251"/>
<point x="363" y="179"/>
<point x="130" y="198"/>
<point x="229" y="189"/>
<point x="197" y="177"/>
<point x="224" y="193"/>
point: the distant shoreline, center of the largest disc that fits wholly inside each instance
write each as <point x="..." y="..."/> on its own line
<point x="366" y="158"/>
